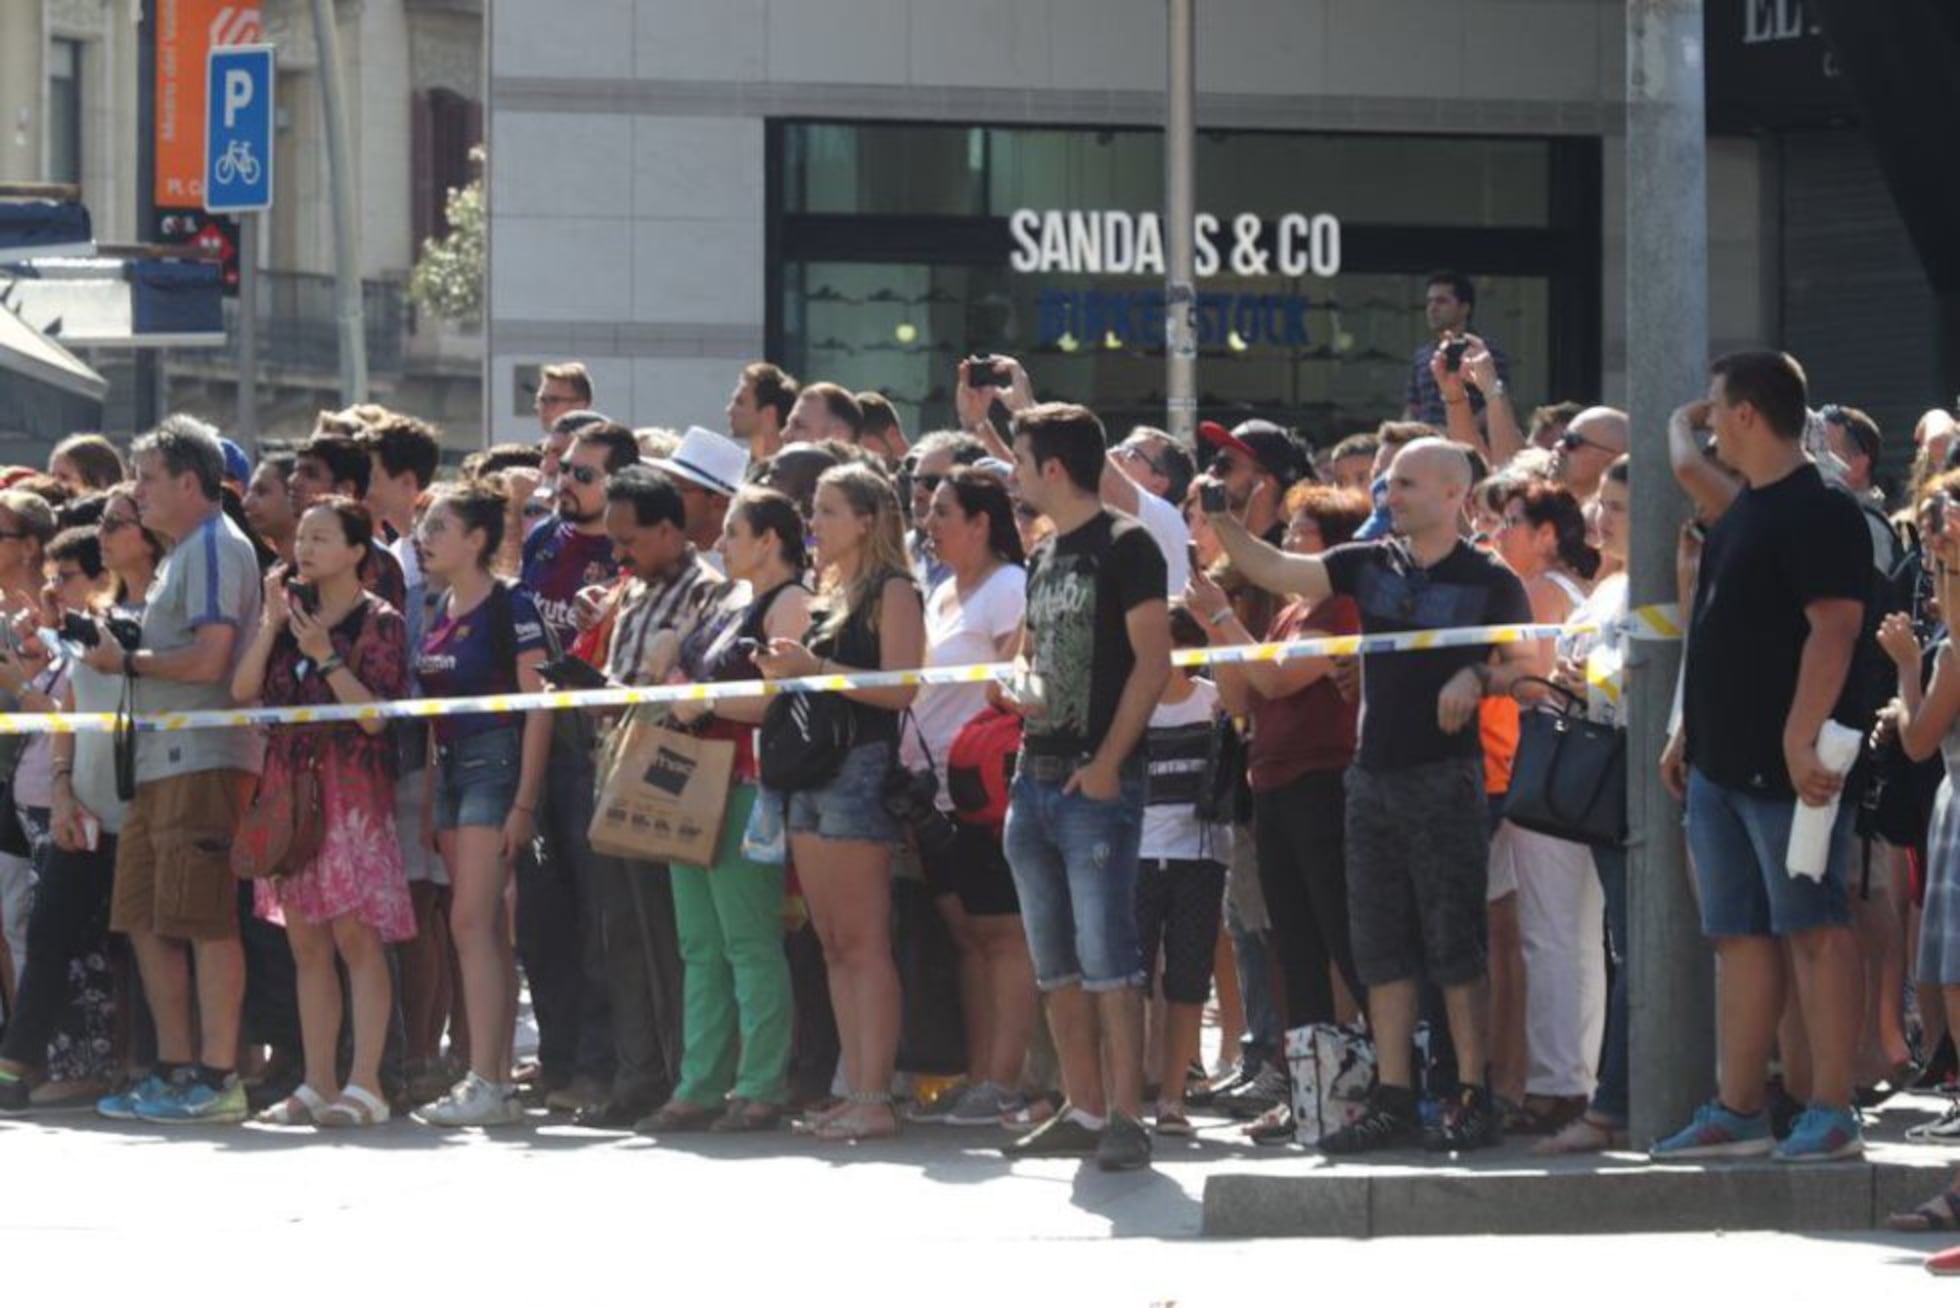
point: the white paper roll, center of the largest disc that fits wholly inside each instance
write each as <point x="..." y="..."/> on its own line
<point x="1810" y="830"/>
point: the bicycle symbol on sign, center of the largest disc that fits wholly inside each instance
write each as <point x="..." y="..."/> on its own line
<point x="236" y="164"/>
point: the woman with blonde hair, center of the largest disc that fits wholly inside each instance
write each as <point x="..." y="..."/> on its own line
<point x="867" y="617"/>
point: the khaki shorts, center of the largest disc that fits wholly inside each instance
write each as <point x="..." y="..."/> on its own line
<point x="173" y="861"/>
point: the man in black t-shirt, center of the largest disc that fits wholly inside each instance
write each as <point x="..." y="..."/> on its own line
<point x="1417" y="837"/>
<point x="1779" y="605"/>
<point x="1095" y="652"/>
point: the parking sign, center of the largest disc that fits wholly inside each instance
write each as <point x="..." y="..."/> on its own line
<point x="238" y="129"/>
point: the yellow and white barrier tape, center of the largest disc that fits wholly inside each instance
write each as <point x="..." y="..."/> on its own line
<point x="710" y="692"/>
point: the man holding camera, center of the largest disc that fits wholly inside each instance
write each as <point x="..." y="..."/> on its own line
<point x="1417" y="839"/>
<point x="1449" y="301"/>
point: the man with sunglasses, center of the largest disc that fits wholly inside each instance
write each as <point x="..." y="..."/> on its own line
<point x="1146" y="476"/>
<point x="1591" y="442"/>
<point x="557" y="929"/>
<point x="1257" y="462"/>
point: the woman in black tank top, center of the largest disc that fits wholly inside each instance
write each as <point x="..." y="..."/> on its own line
<point x="868" y="618"/>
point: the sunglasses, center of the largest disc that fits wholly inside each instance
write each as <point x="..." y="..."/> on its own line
<point x="582" y="474"/>
<point x="1572" y="440"/>
<point x="928" y="481"/>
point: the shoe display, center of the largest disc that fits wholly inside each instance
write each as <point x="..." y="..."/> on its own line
<point x="474" y="1101"/>
<point x="1823" y="1135"/>
<point x="1716" y="1132"/>
<point x="1061" y="1136"/>
<point x="1390" y="1122"/>
<point x="1125" y="1145"/>
<point x="1469" y="1121"/>
<point x="198" y="1103"/>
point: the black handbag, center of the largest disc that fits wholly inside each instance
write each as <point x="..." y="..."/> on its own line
<point x="804" y="739"/>
<point x="1225" y="794"/>
<point x="1570" y="776"/>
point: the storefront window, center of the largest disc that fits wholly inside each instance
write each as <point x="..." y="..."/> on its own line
<point x="897" y="248"/>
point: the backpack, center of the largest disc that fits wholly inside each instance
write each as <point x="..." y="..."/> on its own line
<point x="980" y="767"/>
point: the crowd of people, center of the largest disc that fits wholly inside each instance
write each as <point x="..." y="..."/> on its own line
<point x="326" y="924"/>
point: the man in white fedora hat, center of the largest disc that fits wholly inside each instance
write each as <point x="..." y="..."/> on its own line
<point x="708" y="468"/>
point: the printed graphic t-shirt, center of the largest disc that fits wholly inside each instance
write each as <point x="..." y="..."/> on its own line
<point x="459" y="657"/>
<point x="1081" y="588"/>
<point x="559" y="562"/>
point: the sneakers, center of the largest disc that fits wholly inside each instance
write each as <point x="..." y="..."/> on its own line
<point x="1390" y="1122"/>
<point x="474" y="1101"/>
<point x="1061" y="1136"/>
<point x="1125" y="1145"/>
<point x="1469" y="1121"/>
<point x="1716" y="1132"/>
<point x="1822" y="1135"/>
<point x="1256" y="1097"/>
<point x="122" y="1106"/>
<point x="983" y="1105"/>
<point x="1945" y="1131"/>
<point x="195" y="1102"/>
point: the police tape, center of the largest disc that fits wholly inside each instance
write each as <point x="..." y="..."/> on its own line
<point x="713" y="692"/>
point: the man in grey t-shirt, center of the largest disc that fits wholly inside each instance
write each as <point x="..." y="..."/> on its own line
<point x="174" y="892"/>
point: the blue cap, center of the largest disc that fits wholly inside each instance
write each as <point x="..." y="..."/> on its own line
<point x="238" y="467"/>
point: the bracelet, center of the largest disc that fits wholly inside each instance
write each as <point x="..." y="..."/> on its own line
<point x="331" y="664"/>
<point x="1218" y="619"/>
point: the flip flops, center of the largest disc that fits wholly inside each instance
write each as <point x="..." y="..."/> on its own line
<point x="301" y="1108"/>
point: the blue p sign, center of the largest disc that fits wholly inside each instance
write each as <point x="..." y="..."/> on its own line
<point x="238" y="129"/>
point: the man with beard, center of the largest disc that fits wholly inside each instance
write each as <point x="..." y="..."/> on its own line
<point x="558" y="933"/>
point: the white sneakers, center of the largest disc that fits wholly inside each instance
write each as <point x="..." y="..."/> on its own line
<point x="474" y="1101"/>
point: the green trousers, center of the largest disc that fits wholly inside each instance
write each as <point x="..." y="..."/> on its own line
<point x="736" y="1026"/>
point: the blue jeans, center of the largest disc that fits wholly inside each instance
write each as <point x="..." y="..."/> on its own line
<point x="1075" y="868"/>
<point x="1610" y="1095"/>
<point x="1740" y="844"/>
<point x="1264" y="1033"/>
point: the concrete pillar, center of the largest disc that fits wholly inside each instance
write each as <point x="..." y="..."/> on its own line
<point x="23" y="93"/>
<point x="1671" y="989"/>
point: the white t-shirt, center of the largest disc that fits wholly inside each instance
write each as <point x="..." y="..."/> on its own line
<point x="1175" y="746"/>
<point x="1166" y="525"/>
<point x="959" y="633"/>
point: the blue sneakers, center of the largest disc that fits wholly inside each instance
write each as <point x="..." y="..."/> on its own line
<point x="1716" y="1133"/>
<point x="1822" y="1135"/>
<point x="192" y="1102"/>
<point x="126" y="1105"/>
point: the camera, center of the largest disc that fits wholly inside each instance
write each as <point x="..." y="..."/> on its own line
<point x="908" y="796"/>
<point x="127" y="632"/>
<point x="982" y="370"/>
<point x="1453" y="354"/>
<point x="1212" y="497"/>
<point x="80" y="629"/>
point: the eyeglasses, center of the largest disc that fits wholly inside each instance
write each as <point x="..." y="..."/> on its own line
<point x="1137" y="452"/>
<point x="1572" y="440"/>
<point x="583" y="474"/>
<point x="545" y="400"/>
<point x="115" y="522"/>
<point x="65" y="576"/>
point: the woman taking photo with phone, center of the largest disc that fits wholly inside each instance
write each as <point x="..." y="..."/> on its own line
<point x="868" y="618"/>
<point x="485" y="638"/>
<point x="735" y="1032"/>
<point x="322" y="639"/>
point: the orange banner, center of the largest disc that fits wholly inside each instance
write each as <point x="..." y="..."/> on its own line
<point x="186" y="32"/>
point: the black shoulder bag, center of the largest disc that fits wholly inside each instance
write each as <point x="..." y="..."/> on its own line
<point x="1570" y="777"/>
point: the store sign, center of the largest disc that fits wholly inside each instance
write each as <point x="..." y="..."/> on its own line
<point x="1112" y="242"/>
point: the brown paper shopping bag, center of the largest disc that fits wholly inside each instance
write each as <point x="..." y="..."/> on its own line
<point x="663" y="797"/>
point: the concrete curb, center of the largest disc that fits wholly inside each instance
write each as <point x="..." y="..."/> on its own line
<point x="1615" y="1195"/>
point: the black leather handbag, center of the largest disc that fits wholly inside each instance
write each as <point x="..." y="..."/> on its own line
<point x="1570" y="777"/>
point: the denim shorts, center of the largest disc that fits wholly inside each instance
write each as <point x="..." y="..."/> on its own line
<point x="851" y="806"/>
<point x="1740" y="843"/>
<point x="476" y="779"/>
<point x="1074" y="861"/>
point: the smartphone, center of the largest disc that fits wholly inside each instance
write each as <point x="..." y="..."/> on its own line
<point x="1212" y="497"/>
<point x="1191" y="553"/>
<point x="1453" y="354"/>
<point x="982" y="370"/>
<point x="1002" y="419"/>
<point x="573" y="674"/>
<point x="303" y="596"/>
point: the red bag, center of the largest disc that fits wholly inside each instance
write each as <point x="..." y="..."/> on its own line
<point x="980" y="767"/>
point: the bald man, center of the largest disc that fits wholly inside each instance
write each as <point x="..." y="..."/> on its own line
<point x="1417" y="841"/>
<point x="1591" y="442"/>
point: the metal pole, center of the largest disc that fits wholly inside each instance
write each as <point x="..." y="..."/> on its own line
<point x="1180" y="205"/>
<point x="340" y="181"/>
<point x="248" y="328"/>
<point x="1671" y="989"/>
<point x="146" y="372"/>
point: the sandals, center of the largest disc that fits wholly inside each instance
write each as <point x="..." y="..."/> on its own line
<point x="1584" y="1134"/>
<point x="675" y="1117"/>
<point x="746" y="1115"/>
<point x="1273" y="1127"/>
<point x="1928" y="1216"/>
<point x="861" y="1120"/>
<point x="355" y="1107"/>
<point x="1172" y="1121"/>
<point x="1543" y="1114"/>
<point x="301" y="1108"/>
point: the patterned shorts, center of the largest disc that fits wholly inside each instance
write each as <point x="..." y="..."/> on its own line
<point x="1418" y="853"/>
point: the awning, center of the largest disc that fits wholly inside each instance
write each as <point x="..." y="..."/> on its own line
<point x="31" y="229"/>
<point x="140" y="303"/>
<point x="27" y="353"/>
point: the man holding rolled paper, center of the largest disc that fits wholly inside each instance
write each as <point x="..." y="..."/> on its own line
<point x="1785" y="575"/>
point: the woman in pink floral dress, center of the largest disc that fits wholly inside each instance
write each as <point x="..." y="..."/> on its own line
<point x="323" y="640"/>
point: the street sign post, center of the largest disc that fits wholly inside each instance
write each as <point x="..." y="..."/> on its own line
<point x="238" y="114"/>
